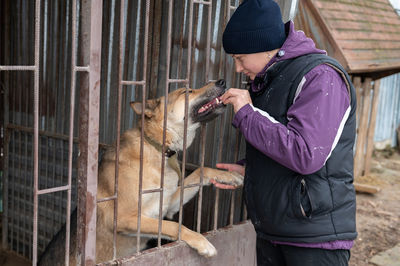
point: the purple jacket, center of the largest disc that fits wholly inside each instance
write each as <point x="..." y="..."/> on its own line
<point x="316" y="119"/>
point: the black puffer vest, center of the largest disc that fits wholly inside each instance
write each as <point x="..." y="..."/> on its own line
<point x="287" y="206"/>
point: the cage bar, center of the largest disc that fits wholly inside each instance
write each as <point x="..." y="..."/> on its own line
<point x="36" y="133"/>
<point x="89" y="132"/>
<point x="189" y="54"/>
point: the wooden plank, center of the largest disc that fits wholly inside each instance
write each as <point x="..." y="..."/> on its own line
<point x="361" y="35"/>
<point x="363" y="26"/>
<point x="356" y="16"/>
<point x="371" y="127"/>
<point x="371" y="4"/>
<point x="360" y="6"/>
<point x="362" y="129"/>
<point x="352" y="54"/>
<point x="366" y="188"/>
<point x="370" y="44"/>
<point x="376" y="65"/>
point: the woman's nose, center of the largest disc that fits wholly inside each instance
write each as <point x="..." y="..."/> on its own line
<point x="239" y="67"/>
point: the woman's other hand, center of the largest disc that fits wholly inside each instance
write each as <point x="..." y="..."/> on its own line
<point x="232" y="167"/>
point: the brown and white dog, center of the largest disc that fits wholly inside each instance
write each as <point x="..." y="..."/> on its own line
<point x="204" y="105"/>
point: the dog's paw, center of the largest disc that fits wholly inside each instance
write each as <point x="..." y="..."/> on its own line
<point x="207" y="250"/>
<point x="225" y="179"/>
<point x="201" y="244"/>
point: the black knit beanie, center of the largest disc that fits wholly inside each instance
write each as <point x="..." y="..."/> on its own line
<point x="256" y="26"/>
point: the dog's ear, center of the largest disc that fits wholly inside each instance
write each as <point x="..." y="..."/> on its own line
<point x="151" y="105"/>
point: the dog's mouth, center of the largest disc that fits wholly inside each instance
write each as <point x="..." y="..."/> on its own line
<point x="211" y="105"/>
<point x="206" y="110"/>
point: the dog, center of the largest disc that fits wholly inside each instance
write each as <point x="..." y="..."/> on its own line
<point x="204" y="105"/>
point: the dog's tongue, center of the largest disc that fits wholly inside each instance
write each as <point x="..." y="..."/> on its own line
<point x="214" y="102"/>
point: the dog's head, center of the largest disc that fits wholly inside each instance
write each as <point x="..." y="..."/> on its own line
<point x="204" y="104"/>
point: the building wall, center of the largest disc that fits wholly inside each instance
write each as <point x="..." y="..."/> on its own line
<point x="388" y="117"/>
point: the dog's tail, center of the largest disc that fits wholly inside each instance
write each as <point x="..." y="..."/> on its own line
<point x="54" y="254"/>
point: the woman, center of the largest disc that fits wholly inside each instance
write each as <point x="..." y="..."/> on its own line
<point x="298" y="119"/>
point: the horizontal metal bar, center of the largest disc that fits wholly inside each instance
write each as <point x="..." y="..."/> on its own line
<point x="12" y="68"/>
<point x="192" y="185"/>
<point x="49" y="134"/>
<point x="232" y="7"/>
<point x="177" y="80"/>
<point x="41" y="132"/>
<point x="107" y="199"/>
<point x="133" y="82"/>
<point x="202" y="2"/>
<point x="152" y="190"/>
<point x="81" y="68"/>
<point x="54" y="189"/>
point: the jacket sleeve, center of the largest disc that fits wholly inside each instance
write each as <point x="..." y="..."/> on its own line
<point x="316" y="120"/>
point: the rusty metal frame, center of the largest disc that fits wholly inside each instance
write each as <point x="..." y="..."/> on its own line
<point x="89" y="132"/>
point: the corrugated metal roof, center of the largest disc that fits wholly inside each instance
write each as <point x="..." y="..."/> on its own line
<point x="364" y="35"/>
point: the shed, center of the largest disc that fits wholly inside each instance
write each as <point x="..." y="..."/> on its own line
<point x="364" y="36"/>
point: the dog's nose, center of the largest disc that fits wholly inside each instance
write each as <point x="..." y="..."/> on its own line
<point x="221" y="83"/>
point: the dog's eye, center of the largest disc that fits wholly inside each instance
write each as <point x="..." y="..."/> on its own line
<point x="184" y="91"/>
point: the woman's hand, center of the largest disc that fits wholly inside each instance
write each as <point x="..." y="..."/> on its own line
<point x="231" y="167"/>
<point x="237" y="97"/>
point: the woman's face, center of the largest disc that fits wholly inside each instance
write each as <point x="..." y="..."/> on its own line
<point x="251" y="64"/>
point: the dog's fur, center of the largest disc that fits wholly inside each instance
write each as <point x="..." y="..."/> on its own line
<point x="129" y="165"/>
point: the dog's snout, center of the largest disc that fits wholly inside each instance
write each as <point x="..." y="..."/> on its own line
<point x="221" y="83"/>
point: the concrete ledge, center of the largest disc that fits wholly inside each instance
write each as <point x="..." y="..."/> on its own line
<point x="236" y="245"/>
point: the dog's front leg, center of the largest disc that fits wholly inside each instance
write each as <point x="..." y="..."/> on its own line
<point x="128" y="223"/>
<point x="224" y="177"/>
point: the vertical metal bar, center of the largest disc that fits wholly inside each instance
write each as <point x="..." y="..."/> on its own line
<point x="235" y="158"/>
<point x="96" y="16"/>
<point x="18" y="205"/>
<point x="13" y="197"/>
<point x="5" y="179"/>
<point x="36" y="133"/>
<point x="6" y="98"/>
<point x="167" y="82"/>
<point x="189" y="55"/>
<point x="89" y="136"/>
<point x="71" y="130"/>
<point x="120" y="74"/>
<point x="144" y="85"/>
<point x="237" y="146"/>
<point x="221" y="134"/>
<point x="203" y="126"/>
<point x="208" y="42"/>
<point x="200" y="202"/>
<point x="27" y="209"/>
<point x="18" y="139"/>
